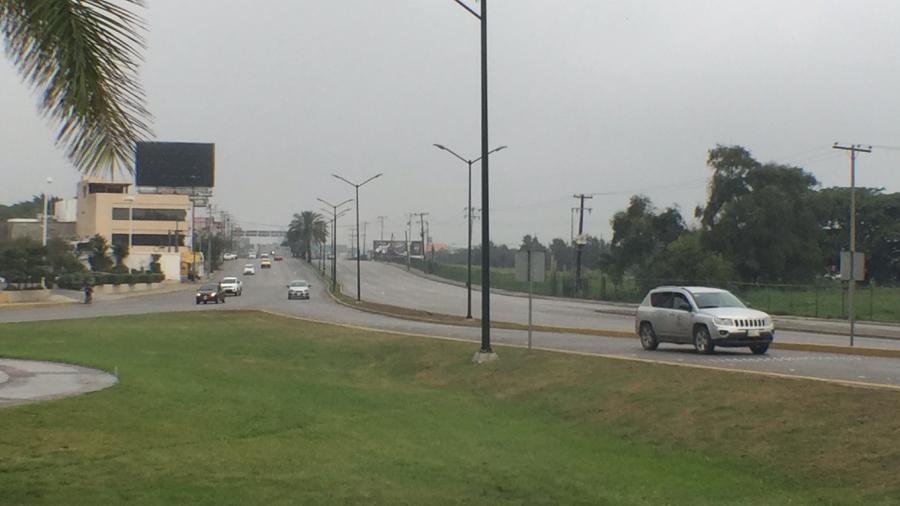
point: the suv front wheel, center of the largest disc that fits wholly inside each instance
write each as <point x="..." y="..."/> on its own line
<point x="648" y="338"/>
<point x="702" y="341"/>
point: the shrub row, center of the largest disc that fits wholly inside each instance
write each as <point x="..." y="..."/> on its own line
<point x="75" y="281"/>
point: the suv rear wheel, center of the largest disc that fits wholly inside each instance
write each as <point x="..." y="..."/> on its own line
<point x="648" y="338"/>
<point x="702" y="341"/>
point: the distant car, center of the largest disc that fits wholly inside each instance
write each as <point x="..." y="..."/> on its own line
<point x="232" y="286"/>
<point x="251" y="256"/>
<point x="278" y="258"/>
<point x="229" y="256"/>
<point x="264" y="255"/>
<point x="249" y="270"/>
<point x="298" y="289"/>
<point x="210" y="292"/>
<point x="704" y="317"/>
<point x="265" y="263"/>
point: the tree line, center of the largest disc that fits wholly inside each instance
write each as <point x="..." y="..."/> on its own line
<point x="761" y="223"/>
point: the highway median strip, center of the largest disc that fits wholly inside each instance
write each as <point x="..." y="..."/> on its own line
<point x="445" y="319"/>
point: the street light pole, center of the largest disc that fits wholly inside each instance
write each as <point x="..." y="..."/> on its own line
<point x="46" y="210"/>
<point x="358" y="278"/>
<point x="130" y="200"/>
<point x="469" y="253"/>
<point x="485" y="353"/>
<point x="334" y="239"/>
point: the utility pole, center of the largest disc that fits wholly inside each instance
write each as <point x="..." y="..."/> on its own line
<point x="422" y="235"/>
<point x="409" y="241"/>
<point x="381" y="219"/>
<point x="209" y="223"/>
<point x="579" y="247"/>
<point x="853" y="149"/>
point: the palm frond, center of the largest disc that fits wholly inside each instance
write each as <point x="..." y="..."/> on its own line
<point x="83" y="56"/>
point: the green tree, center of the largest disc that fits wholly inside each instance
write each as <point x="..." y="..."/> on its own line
<point x="26" y="208"/>
<point x="686" y="260"/>
<point x="764" y="220"/>
<point x="61" y="257"/>
<point x="877" y="231"/>
<point x="639" y="233"/>
<point x="120" y="253"/>
<point x="82" y="56"/>
<point x="730" y="165"/>
<point x="306" y="229"/>
<point x="98" y="254"/>
<point x="532" y="243"/>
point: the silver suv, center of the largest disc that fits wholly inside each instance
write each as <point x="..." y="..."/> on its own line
<point x="704" y="317"/>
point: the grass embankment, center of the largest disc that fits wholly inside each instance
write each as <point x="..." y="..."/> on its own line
<point x="246" y="408"/>
<point x="827" y="300"/>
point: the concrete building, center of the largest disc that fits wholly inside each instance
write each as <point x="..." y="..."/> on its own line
<point x="153" y="225"/>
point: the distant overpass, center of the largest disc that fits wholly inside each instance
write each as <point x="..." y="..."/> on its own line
<point x="260" y="233"/>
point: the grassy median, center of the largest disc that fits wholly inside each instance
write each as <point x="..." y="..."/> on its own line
<point x="246" y="408"/>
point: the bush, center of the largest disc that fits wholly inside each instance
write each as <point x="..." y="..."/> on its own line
<point x="75" y="280"/>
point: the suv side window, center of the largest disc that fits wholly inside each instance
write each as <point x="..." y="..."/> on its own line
<point x="661" y="299"/>
<point x="680" y="302"/>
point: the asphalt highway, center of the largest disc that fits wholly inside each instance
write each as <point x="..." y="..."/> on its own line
<point x="392" y="284"/>
<point x="266" y="290"/>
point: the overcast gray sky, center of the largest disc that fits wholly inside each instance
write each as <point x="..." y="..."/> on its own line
<point x="609" y="97"/>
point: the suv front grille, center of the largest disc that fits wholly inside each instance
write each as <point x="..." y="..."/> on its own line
<point x="749" y="323"/>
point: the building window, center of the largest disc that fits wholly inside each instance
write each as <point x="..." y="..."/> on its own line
<point x="120" y="239"/>
<point x="120" y="213"/>
<point x="164" y="240"/>
<point x="159" y="214"/>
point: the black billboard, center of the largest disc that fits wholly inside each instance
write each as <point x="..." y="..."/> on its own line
<point x="394" y="249"/>
<point x="175" y="164"/>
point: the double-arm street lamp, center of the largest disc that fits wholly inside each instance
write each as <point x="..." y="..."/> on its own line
<point x="355" y="185"/>
<point x="334" y="208"/>
<point x="485" y="353"/>
<point x="469" y="273"/>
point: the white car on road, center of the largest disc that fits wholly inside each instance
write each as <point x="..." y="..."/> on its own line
<point x="249" y="269"/>
<point x="701" y="316"/>
<point x="298" y="289"/>
<point x="231" y="286"/>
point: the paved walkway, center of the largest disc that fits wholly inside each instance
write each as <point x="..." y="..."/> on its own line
<point x="24" y="381"/>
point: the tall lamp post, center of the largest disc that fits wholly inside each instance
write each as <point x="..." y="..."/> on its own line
<point x="358" y="278"/>
<point x="130" y="200"/>
<point x="469" y="262"/>
<point x="334" y="208"/>
<point x="46" y="210"/>
<point x="485" y="353"/>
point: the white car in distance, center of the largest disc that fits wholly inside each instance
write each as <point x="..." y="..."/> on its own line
<point x="229" y="256"/>
<point x="249" y="270"/>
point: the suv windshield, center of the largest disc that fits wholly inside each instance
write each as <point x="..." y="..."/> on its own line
<point x="299" y="284"/>
<point x="210" y="287"/>
<point x="708" y="300"/>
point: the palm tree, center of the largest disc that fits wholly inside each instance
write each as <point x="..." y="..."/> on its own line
<point x="82" y="56"/>
<point x="305" y="229"/>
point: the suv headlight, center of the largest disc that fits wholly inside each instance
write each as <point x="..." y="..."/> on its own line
<point x="728" y="322"/>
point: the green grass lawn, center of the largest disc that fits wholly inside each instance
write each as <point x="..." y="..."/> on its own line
<point x="246" y="408"/>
